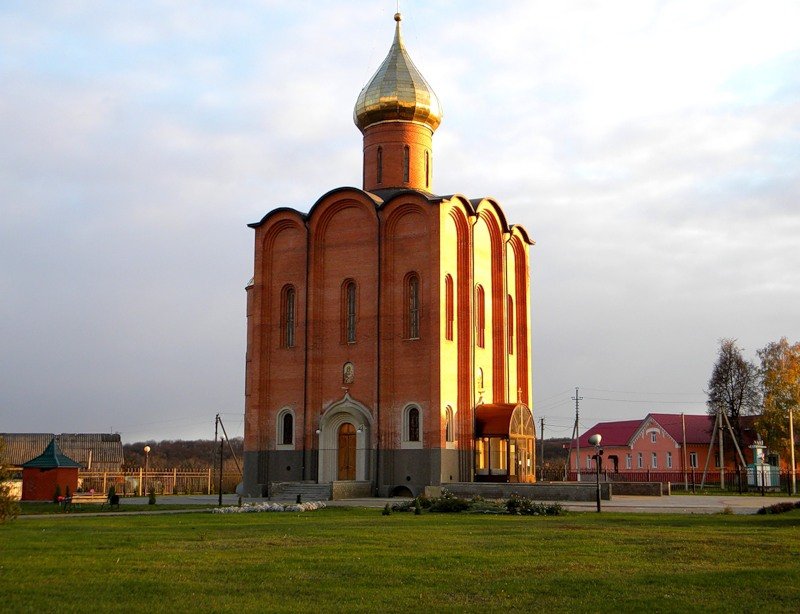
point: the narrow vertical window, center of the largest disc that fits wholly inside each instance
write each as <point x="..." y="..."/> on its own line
<point x="448" y="307"/>
<point x="412" y="299"/>
<point x="480" y="312"/>
<point x="448" y="424"/>
<point x="510" y="316"/>
<point x="655" y="460"/>
<point x="406" y="161"/>
<point x="413" y="424"/>
<point x="380" y="165"/>
<point x="427" y="169"/>
<point x="288" y="316"/>
<point x="349" y="311"/>
<point x="669" y="460"/>
<point x="288" y="429"/>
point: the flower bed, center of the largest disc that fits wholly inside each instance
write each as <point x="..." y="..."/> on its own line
<point x="270" y="507"/>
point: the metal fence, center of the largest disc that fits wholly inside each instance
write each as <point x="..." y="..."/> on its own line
<point x="742" y="480"/>
<point x="163" y="482"/>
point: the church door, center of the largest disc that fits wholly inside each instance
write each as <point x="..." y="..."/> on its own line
<point x="347" y="452"/>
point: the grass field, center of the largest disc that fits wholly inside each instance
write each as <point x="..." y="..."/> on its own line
<point x="346" y="559"/>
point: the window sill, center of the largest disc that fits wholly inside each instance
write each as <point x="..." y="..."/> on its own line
<point x="411" y="445"/>
<point x="284" y="446"/>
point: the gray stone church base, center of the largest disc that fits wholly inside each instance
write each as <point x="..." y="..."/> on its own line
<point x="404" y="472"/>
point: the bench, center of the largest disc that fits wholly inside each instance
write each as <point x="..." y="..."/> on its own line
<point x="80" y="498"/>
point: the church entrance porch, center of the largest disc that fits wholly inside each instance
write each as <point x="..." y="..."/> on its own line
<point x="345" y="449"/>
<point x="504" y="443"/>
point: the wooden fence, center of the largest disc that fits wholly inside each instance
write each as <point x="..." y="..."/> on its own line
<point x="163" y="482"/>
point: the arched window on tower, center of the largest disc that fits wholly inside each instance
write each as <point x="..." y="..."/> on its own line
<point x="406" y="162"/>
<point x="412" y="306"/>
<point x="379" y="161"/>
<point x="480" y="316"/>
<point x="448" y="307"/>
<point x="288" y="315"/>
<point x="510" y="317"/>
<point x="427" y="169"/>
<point x="349" y="311"/>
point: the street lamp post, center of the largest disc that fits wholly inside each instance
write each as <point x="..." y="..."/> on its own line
<point x="146" y="463"/>
<point x="595" y="441"/>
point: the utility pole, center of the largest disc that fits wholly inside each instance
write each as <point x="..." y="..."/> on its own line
<point x="791" y="446"/>
<point x="683" y="445"/>
<point x="576" y="434"/>
<point x="541" y="450"/>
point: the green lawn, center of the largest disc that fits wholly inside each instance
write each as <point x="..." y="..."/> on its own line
<point x="348" y="559"/>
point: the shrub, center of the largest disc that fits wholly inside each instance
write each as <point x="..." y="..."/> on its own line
<point x="387" y="510"/>
<point x="449" y="503"/>
<point x="403" y="506"/>
<point x="57" y="493"/>
<point x="8" y="506"/>
<point x="779" y="508"/>
<point x="152" y="496"/>
<point x="522" y="506"/>
<point x="417" y="507"/>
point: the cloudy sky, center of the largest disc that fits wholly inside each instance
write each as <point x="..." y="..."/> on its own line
<point x="652" y="149"/>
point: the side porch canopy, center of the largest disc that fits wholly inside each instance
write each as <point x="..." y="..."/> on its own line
<point x="505" y="440"/>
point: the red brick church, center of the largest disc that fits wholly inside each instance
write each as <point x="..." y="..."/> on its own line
<point x="388" y="329"/>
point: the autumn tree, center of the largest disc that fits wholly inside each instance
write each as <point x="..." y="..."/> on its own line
<point x="8" y="506"/>
<point x="780" y="381"/>
<point x="734" y="386"/>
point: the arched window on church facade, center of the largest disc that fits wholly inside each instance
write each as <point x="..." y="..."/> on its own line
<point x="412" y="297"/>
<point x="379" y="161"/>
<point x="480" y="316"/>
<point x="349" y="311"/>
<point x="449" y="434"/>
<point x="288" y="315"/>
<point x="510" y="317"/>
<point x="412" y="427"/>
<point x="284" y="426"/>
<point x="448" y="307"/>
<point x="406" y="162"/>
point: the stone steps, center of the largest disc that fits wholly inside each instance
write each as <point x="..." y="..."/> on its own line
<point x="308" y="491"/>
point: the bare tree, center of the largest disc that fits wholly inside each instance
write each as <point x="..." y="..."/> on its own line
<point x="734" y="386"/>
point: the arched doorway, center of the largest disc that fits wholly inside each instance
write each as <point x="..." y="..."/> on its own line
<point x="345" y="443"/>
<point x="347" y="452"/>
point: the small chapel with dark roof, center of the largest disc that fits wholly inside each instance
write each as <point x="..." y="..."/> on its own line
<point x="388" y="328"/>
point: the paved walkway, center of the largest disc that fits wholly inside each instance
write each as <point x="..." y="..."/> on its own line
<point x="674" y="504"/>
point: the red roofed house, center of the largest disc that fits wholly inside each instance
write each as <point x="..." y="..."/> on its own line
<point x="656" y="445"/>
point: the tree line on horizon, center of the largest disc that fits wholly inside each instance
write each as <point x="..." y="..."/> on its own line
<point x="186" y="454"/>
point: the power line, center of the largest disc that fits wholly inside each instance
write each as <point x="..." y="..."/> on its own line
<point x="647" y="401"/>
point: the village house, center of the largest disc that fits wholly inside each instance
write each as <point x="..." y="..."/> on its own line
<point x="660" y="444"/>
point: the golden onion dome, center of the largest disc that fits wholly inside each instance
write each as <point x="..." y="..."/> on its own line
<point x="397" y="92"/>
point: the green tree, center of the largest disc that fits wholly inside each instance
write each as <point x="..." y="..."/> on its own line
<point x="780" y="380"/>
<point x="8" y="506"/>
<point x="733" y="387"/>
